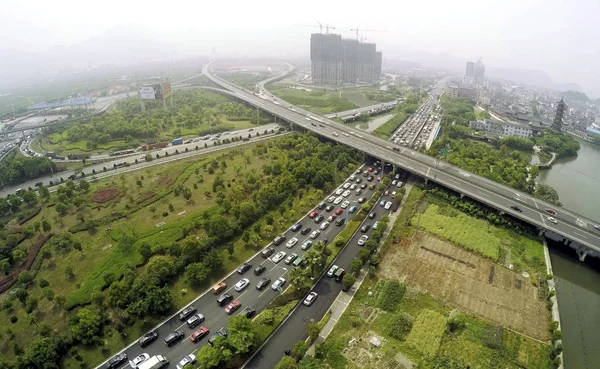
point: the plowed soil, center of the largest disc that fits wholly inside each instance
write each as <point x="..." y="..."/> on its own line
<point x="471" y="282"/>
<point x="105" y="194"/>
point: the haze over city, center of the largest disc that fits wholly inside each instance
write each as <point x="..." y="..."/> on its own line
<point x="556" y="37"/>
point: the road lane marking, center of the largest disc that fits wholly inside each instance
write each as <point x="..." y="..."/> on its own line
<point x="543" y="220"/>
<point x="580" y="235"/>
<point x="482" y="193"/>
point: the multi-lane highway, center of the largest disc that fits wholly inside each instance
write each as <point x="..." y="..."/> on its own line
<point x="265" y="131"/>
<point x="294" y="329"/>
<point x="215" y="316"/>
<point x="481" y="189"/>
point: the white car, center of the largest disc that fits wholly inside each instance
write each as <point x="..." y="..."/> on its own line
<point x="375" y="225"/>
<point x="388" y="205"/>
<point x="393" y="193"/>
<point x="280" y="282"/>
<point x="138" y="360"/>
<point x="243" y="283"/>
<point x="345" y="134"/>
<point x="345" y="204"/>
<point x="313" y="235"/>
<point x="291" y="243"/>
<point x="581" y="223"/>
<point x="189" y="359"/>
<point x="335" y="134"/>
<point x="353" y="186"/>
<point x="338" y="200"/>
<point x="399" y="184"/>
<point x="362" y="240"/>
<point x="339" y="191"/>
<point x="551" y="219"/>
<point x="310" y="298"/>
<point x="346" y="185"/>
<point x="324" y="225"/>
<point x="278" y="257"/>
<point x="331" y="199"/>
<point x="394" y="182"/>
<point x="346" y="193"/>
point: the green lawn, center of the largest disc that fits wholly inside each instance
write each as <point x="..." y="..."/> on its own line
<point x="318" y="101"/>
<point x="385" y="131"/>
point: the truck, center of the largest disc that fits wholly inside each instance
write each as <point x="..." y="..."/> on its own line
<point x="158" y="145"/>
<point x="177" y="141"/>
<point x="154" y="362"/>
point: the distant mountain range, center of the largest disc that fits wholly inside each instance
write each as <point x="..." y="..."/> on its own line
<point x="532" y="77"/>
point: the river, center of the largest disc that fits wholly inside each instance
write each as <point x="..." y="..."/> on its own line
<point x="577" y="181"/>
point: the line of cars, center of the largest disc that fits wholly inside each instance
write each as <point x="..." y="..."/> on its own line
<point x="551" y="218"/>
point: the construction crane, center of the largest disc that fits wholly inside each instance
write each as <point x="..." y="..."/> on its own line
<point x="363" y="30"/>
<point x="320" y="26"/>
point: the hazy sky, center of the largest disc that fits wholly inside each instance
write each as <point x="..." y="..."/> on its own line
<point x="556" y="36"/>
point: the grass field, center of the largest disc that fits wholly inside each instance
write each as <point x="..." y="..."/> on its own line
<point x="318" y="101"/>
<point x="473" y="234"/>
<point x="387" y="129"/>
<point x="426" y="334"/>
<point x="58" y="143"/>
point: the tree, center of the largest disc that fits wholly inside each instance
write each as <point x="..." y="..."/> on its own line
<point x="196" y="273"/>
<point x="18" y="256"/>
<point x="547" y="193"/>
<point x="145" y="250"/>
<point x="313" y="330"/>
<point x="48" y="293"/>
<point x="187" y="194"/>
<point x="299" y="349"/>
<point x="29" y="197"/>
<point x="84" y="186"/>
<point x="348" y="281"/>
<point x="60" y="300"/>
<point x="46" y="227"/>
<point x="25" y="277"/>
<point x="61" y="208"/>
<point x="355" y="266"/>
<point x="69" y="272"/>
<point x="287" y="362"/>
<point x="242" y="335"/>
<point x="209" y="357"/>
<point x="161" y="267"/>
<point x="86" y="325"/>
<point x="77" y="246"/>
<point x="41" y="354"/>
<point x="5" y="266"/>
<point x="298" y="277"/>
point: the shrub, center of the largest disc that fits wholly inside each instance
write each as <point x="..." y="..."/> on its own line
<point x="400" y="326"/>
<point x="390" y="295"/>
<point x="456" y="323"/>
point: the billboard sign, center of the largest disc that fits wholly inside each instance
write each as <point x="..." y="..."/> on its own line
<point x="166" y="90"/>
<point x="147" y="93"/>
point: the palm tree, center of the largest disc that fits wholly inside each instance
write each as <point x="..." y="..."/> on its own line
<point x="312" y="259"/>
<point x="298" y="277"/>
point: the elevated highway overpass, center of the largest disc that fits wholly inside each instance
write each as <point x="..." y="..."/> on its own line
<point x="586" y="240"/>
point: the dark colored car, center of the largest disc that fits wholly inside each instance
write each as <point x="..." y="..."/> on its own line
<point x="278" y="240"/>
<point x="224" y="299"/>
<point x="244" y="268"/>
<point x="148" y="338"/>
<point x="296" y="227"/>
<point x="363" y="186"/>
<point x="172" y="338"/>
<point x="365" y="228"/>
<point x="185" y="313"/>
<point x="321" y="205"/>
<point x="372" y="215"/>
<point x="319" y="219"/>
<point x="219" y="333"/>
<point x="339" y="275"/>
<point x="305" y="231"/>
<point x="116" y="360"/>
<point x="329" y="208"/>
<point x="267" y="252"/>
<point x="516" y="208"/>
<point x="263" y="283"/>
<point x="340" y="222"/>
<point x="259" y="270"/>
<point x="248" y="312"/>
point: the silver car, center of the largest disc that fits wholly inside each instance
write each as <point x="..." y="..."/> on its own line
<point x="278" y="257"/>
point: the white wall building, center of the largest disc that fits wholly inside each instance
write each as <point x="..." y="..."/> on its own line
<point x="500" y="128"/>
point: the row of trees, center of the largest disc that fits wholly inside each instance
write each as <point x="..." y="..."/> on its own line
<point x="16" y="169"/>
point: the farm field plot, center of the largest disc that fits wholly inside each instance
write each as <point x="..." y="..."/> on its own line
<point x="472" y="282"/>
<point x="426" y="334"/>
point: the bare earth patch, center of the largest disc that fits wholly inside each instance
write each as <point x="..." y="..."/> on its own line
<point x="471" y="282"/>
<point x="105" y="194"/>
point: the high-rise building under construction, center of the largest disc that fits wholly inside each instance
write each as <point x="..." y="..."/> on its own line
<point x="336" y="61"/>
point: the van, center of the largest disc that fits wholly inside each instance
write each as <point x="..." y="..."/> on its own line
<point x="298" y="262"/>
<point x="339" y="274"/>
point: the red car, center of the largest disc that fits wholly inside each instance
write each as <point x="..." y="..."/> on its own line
<point x="232" y="307"/>
<point x="551" y="211"/>
<point x="313" y="214"/>
<point x="331" y="218"/>
<point x="370" y="169"/>
<point x="199" y="334"/>
<point x="339" y="211"/>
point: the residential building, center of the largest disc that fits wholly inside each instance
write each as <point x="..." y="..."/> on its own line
<point x="335" y="61"/>
<point x="500" y="128"/>
<point x="470" y="70"/>
<point x="478" y="73"/>
<point x="455" y="91"/>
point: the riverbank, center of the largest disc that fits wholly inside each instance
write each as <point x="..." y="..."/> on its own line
<point x="552" y="288"/>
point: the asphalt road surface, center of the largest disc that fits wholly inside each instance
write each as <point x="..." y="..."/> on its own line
<point x="476" y="187"/>
<point x="294" y="329"/>
<point x="216" y="318"/>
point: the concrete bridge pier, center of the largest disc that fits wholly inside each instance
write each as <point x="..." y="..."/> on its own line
<point x="582" y="252"/>
<point x="462" y="195"/>
<point x="541" y="232"/>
